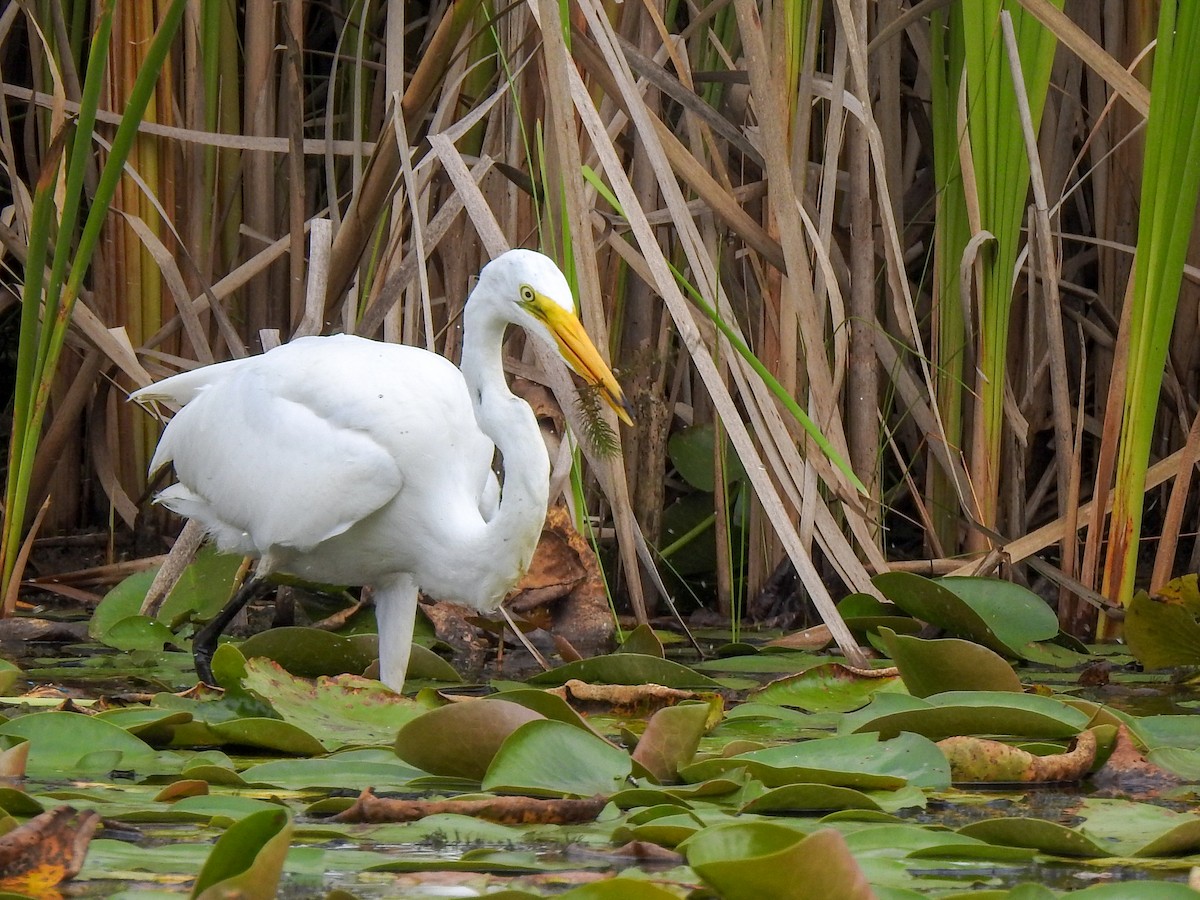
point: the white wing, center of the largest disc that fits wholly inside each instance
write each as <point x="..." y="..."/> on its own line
<point x="268" y="452"/>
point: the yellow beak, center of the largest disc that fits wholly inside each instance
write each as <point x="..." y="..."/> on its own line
<point x="581" y="354"/>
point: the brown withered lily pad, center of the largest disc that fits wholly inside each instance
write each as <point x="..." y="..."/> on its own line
<point x="505" y="810"/>
<point x="46" y="850"/>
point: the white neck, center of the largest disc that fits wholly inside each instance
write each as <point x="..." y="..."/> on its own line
<point x="510" y="537"/>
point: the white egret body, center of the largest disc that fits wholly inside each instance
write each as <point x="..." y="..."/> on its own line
<point x="349" y="461"/>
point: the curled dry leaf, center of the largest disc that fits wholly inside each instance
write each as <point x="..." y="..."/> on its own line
<point x="976" y="760"/>
<point x="621" y="699"/>
<point x="46" y="850"/>
<point x="505" y="810"/>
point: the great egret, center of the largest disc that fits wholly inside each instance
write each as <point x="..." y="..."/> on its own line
<point x="349" y="461"/>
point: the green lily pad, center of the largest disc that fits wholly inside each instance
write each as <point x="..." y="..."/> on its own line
<point x="18" y="803"/>
<point x="933" y="666"/>
<point x="268" y="734"/>
<point x="549" y="705"/>
<point x="981" y="713"/>
<point x="309" y="652"/>
<point x="424" y="664"/>
<point x="202" y="590"/>
<point x="642" y="640"/>
<point x="10" y="674"/>
<point x="70" y="744"/>
<point x="461" y="739"/>
<point x="799" y="798"/>
<point x="1161" y="635"/>
<point x="548" y="758"/>
<point x="1035" y="834"/>
<point x="671" y="738"/>
<point x="858" y="761"/>
<point x="337" y="772"/>
<point x="247" y="859"/>
<point x="336" y="711"/>
<point x="998" y="614"/>
<point x="139" y="633"/>
<point x="748" y="861"/>
<point x="154" y="726"/>
<point x="828" y="687"/>
<point x="1129" y="828"/>
<point x="627" y="668"/>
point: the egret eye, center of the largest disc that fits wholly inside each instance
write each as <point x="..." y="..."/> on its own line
<point x="526" y="294"/>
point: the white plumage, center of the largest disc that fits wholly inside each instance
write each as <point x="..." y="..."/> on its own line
<point x="350" y="461"/>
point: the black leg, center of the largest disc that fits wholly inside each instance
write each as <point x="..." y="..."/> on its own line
<point x="204" y="644"/>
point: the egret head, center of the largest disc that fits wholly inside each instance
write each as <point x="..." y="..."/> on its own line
<point x="535" y="295"/>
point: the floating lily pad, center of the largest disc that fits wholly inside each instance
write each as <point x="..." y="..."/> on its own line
<point x="1160" y="634"/>
<point x="552" y="706"/>
<point x="336" y="711"/>
<point x="247" y="859"/>
<point x="309" y="652"/>
<point x="858" y="761"/>
<point x="1035" y="834"/>
<point x="548" y="758"/>
<point x="71" y="744"/>
<point x="202" y="590"/>
<point x="337" y="772"/>
<point x="671" y="738"/>
<point x="969" y="712"/>
<point x="139" y="633"/>
<point x="795" y="798"/>
<point x="828" y="687"/>
<point x="935" y="666"/>
<point x="761" y="859"/>
<point x="998" y="614"/>
<point x="642" y="640"/>
<point x="154" y="726"/>
<point x="10" y="674"/>
<point x="627" y="668"/>
<point x="268" y="734"/>
<point x="461" y="739"/>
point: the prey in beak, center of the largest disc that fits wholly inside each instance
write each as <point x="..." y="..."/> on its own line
<point x="580" y="353"/>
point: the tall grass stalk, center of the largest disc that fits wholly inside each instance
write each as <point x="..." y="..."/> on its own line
<point x="47" y="305"/>
<point x="1170" y="183"/>
<point x="1001" y="176"/>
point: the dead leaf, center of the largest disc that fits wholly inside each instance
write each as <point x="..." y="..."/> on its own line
<point x="505" y="810"/>
<point x="46" y="850"/>
<point x="1097" y="674"/>
<point x="977" y="760"/>
<point x="1128" y="773"/>
<point x="809" y="639"/>
<point x="565" y="578"/>
<point x="625" y="700"/>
